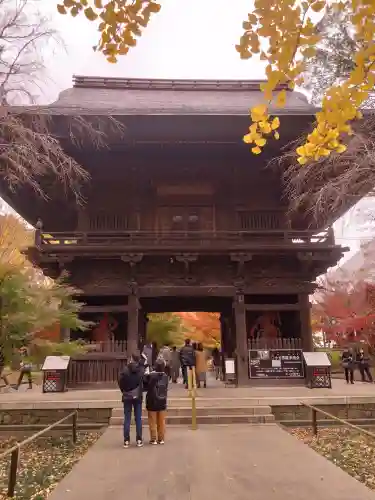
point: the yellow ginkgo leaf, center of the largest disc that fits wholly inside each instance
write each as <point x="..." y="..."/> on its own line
<point x="341" y="148"/>
<point x="302" y="160"/>
<point x="275" y="123"/>
<point x="318" y="6"/>
<point x="276" y="135"/>
<point x="260" y="142"/>
<point x="90" y="14"/>
<point x="61" y="9"/>
<point x="256" y="150"/>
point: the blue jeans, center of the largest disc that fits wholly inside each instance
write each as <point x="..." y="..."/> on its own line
<point x="128" y="407"/>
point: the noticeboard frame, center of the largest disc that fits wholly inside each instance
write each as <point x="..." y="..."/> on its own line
<point x="279" y="377"/>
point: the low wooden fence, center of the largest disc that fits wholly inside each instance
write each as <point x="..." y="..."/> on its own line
<point x="315" y="422"/>
<point x="14" y="452"/>
<point x="260" y="344"/>
<point x="95" y="368"/>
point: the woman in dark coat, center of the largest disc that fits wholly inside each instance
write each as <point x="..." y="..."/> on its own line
<point x="347" y="361"/>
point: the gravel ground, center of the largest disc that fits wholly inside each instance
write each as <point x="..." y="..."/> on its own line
<point x="43" y="464"/>
<point x="352" y="451"/>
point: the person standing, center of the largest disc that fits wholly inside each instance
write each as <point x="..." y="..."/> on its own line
<point x="201" y="366"/>
<point x="131" y="386"/>
<point x="347" y="361"/>
<point x="216" y="359"/>
<point x="156" y="401"/>
<point x="25" y="368"/>
<point x="175" y="364"/>
<point x="363" y="361"/>
<point x="2" y="368"/>
<point x="187" y="360"/>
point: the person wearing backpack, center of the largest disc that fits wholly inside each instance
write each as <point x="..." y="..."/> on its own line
<point x="156" y="402"/>
<point x="131" y="386"/>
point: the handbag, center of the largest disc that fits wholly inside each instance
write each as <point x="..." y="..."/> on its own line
<point x="132" y="394"/>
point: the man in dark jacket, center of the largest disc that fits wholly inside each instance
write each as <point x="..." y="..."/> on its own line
<point x="187" y="358"/>
<point x="131" y="386"/>
<point x="156" y="401"/>
<point x="363" y="361"/>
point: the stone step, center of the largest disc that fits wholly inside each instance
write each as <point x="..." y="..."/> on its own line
<point x="210" y="419"/>
<point x="208" y="411"/>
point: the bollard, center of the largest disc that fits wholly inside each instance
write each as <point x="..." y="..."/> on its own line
<point x="192" y="388"/>
<point x="14" y="460"/>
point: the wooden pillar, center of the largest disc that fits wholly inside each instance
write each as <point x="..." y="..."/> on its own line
<point x="142" y="326"/>
<point x="241" y="339"/>
<point x="305" y="320"/>
<point x="65" y="334"/>
<point x="133" y="324"/>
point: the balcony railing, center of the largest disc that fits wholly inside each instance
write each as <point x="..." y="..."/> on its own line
<point x="54" y="241"/>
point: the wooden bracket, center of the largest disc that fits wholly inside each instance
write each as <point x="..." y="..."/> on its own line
<point x="241" y="259"/>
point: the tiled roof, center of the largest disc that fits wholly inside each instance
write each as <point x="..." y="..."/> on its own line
<point x="95" y="95"/>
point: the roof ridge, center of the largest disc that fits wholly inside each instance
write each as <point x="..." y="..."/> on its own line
<point x="80" y="81"/>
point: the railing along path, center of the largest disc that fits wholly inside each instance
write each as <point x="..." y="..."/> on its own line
<point x="314" y="420"/>
<point x="14" y="452"/>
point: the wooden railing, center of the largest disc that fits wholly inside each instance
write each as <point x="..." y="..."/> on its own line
<point x="14" y="452"/>
<point x="314" y="420"/>
<point x="259" y="344"/>
<point x="197" y="238"/>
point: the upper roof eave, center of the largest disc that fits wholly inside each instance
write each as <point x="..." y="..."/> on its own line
<point x="77" y="111"/>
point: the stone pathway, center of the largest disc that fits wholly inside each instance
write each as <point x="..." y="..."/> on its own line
<point x="218" y="463"/>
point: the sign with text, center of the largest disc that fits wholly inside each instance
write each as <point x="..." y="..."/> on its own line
<point x="276" y="363"/>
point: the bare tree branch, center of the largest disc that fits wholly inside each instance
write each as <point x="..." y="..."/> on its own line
<point x="330" y="185"/>
<point x="29" y="145"/>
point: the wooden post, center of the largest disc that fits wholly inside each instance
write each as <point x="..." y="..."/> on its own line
<point x="305" y="320"/>
<point x="13" y="472"/>
<point x="192" y="386"/>
<point x="133" y="324"/>
<point x="241" y="339"/>
<point x="65" y="334"/>
<point x="314" y="422"/>
<point x="74" y="427"/>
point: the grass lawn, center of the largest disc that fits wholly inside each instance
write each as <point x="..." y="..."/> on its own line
<point x="43" y="463"/>
<point x="350" y="450"/>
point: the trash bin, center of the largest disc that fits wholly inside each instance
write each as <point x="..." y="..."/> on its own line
<point x="318" y="370"/>
<point x="55" y="373"/>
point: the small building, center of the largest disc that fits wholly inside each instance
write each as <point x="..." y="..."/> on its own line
<point x="181" y="216"/>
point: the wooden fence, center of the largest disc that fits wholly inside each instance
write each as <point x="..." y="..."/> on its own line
<point x="259" y="344"/>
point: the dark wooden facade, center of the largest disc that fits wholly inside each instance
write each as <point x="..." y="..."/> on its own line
<point x="181" y="216"/>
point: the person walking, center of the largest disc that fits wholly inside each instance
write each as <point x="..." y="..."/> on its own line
<point x="156" y="401"/>
<point x="363" y="361"/>
<point x="216" y="359"/>
<point x="175" y="364"/>
<point x="165" y="354"/>
<point x="131" y="387"/>
<point x="347" y="361"/>
<point x="201" y="366"/>
<point x="2" y="368"/>
<point x="25" y="368"/>
<point x="187" y="360"/>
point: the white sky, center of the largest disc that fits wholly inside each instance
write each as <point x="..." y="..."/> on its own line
<point x="186" y="39"/>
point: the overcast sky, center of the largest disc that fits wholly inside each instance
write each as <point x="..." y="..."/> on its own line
<point x="186" y="39"/>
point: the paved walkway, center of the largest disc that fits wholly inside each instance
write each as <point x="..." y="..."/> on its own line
<point x="218" y="463"/>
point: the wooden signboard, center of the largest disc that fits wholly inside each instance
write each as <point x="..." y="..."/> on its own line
<point x="276" y="363"/>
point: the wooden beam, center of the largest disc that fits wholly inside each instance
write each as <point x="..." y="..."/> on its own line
<point x="103" y="309"/>
<point x="272" y="307"/>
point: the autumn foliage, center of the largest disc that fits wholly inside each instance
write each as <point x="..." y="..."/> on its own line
<point x="202" y="327"/>
<point x="345" y="311"/>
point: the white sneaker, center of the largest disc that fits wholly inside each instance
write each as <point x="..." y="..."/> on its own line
<point x="161" y="441"/>
<point x="126" y="444"/>
<point x="139" y="443"/>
